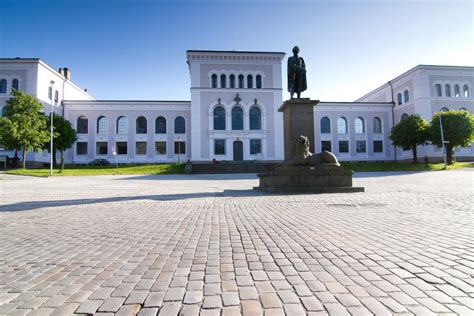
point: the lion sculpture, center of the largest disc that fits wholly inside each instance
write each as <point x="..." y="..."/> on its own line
<point x="301" y="156"/>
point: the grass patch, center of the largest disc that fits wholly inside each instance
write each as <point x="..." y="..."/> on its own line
<point x="103" y="170"/>
<point x="401" y="166"/>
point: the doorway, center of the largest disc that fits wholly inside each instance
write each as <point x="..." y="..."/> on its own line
<point x="238" y="150"/>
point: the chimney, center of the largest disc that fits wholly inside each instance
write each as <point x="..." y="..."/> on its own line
<point x="85" y="90"/>
<point x="61" y="71"/>
<point x="66" y="73"/>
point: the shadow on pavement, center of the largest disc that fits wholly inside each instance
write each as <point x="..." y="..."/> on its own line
<point x="164" y="177"/>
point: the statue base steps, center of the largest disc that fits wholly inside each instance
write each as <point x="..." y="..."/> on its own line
<point x="326" y="178"/>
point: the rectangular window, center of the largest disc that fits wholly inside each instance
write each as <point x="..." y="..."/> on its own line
<point x="326" y="145"/>
<point x="343" y="146"/>
<point x="219" y="146"/>
<point x="140" y="148"/>
<point x="101" y="148"/>
<point x="81" y="148"/>
<point x="378" y="146"/>
<point x="255" y="146"/>
<point x="160" y="148"/>
<point x="179" y="148"/>
<point x="360" y="146"/>
<point x="121" y="148"/>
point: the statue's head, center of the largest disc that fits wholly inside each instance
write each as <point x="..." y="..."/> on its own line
<point x="296" y="50"/>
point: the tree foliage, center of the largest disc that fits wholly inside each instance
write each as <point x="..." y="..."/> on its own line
<point x="410" y="132"/>
<point x="23" y="126"/>
<point x="64" y="136"/>
<point x="458" y="130"/>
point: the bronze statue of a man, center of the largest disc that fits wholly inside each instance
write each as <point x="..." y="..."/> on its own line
<point x="296" y="73"/>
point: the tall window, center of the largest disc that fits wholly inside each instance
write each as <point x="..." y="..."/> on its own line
<point x="101" y="148"/>
<point x="255" y="118"/>
<point x="465" y="90"/>
<point x="121" y="148"/>
<point x="160" y="125"/>
<point x="241" y="81"/>
<point x="378" y="146"/>
<point x="50" y="93"/>
<point x="342" y="125"/>
<point x="56" y="96"/>
<point x="399" y="98"/>
<point x="250" y="82"/>
<point x="223" y="81"/>
<point x="406" y="96"/>
<point x="457" y="91"/>
<point x="4" y="111"/>
<point x="81" y="148"/>
<point x="102" y="125"/>
<point x="255" y="146"/>
<point x="219" y="118"/>
<point x="343" y="146"/>
<point x="447" y="90"/>
<point x="325" y="125"/>
<point x="179" y="148"/>
<point x="360" y="146"/>
<point x="232" y="81"/>
<point x="179" y="125"/>
<point x="15" y="84"/>
<point x="82" y="123"/>
<point x="258" y="80"/>
<point x="404" y="116"/>
<point x="141" y="125"/>
<point x="438" y="90"/>
<point x="160" y="148"/>
<point x="3" y="86"/>
<point x="377" y="125"/>
<point x="326" y="145"/>
<point x="359" y="125"/>
<point x="219" y="146"/>
<point x="237" y="118"/>
<point x="140" y="148"/>
<point x="122" y="125"/>
<point x="214" y="81"/>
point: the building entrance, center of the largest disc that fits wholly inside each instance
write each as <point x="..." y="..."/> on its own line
<point x="238" y="150"/>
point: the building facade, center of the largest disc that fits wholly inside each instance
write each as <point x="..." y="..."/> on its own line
<point x="232" y="114"/>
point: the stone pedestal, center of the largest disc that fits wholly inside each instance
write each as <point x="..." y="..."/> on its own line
<point x="324" y="178"/>
<point x="298" y="119"/>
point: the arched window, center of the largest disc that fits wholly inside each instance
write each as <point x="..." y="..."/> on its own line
<point x="406" y="96"/>
<point x="447" y="90"/>
<point x="4" y="110"/>
<point x="3" y="86"/>
<point x="342" y="125"/>
<point x="250" y="82"/>
<point x="56" y="96"/>
<point x="160" y="125"/>
<point x="50" y="93"/>
<point x="359" y="125"/>
<point x="15" y="84"/>
<point x="179" y="125"/>
<point x="82" y="125"/>
<point x="438" y="90"/>
<point x="255" y="115"/>
<point x="399" y="98"/>
<point x="377" y="125"/>
<point x="457" y="91"/>
<point x="258" y="80"/>
<point x="223" y="81"/>
<point x="232" y="81"/>
<point x="462" y="109"/>
<point x="102" y="125"/>
<point x="122" y="125"/>
<point x="241" y="81"/>
<point x="444" y="109"/>
<point x="465" y="90"/>
<point x="214" y="81"/>
<point x="219" y="118"/>
<point x="141" y="125"/>
<point x="237" y="118"/>
<point x="325" y="125"/>
<point x="404" y="116"/>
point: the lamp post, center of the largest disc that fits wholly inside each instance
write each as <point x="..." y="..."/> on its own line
<point x="179" y="149"/>
<point x="442" y="134"/>
<point x="51" y="131"/>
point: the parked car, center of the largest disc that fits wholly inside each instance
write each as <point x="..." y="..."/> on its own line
<point x="99" y="162"/>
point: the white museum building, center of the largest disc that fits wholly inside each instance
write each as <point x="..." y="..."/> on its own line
<point x="233" y="112"/>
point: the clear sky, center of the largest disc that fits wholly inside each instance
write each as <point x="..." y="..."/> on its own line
<point x="136" y="49"/>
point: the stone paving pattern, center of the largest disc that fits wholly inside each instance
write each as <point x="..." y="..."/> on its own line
<point x="207" y="245"/>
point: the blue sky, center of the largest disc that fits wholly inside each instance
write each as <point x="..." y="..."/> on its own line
<point x="136" y="49"/>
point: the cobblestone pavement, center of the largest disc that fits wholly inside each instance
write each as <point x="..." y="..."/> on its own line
<point x="208" y="245"/>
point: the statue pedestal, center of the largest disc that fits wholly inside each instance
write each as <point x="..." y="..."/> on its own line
<point x="298" y="119"/>
<point x="324" y="178"/>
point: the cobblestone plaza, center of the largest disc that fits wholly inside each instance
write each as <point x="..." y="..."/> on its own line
<point x="209" y="245"/>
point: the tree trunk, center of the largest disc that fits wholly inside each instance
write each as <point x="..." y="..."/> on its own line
<point x="23" y="155"/>
<point x="62" y="160"/>
<point x="449" y="154"/>
<point x="54" y="158"/>
<point x="415" y="156"/>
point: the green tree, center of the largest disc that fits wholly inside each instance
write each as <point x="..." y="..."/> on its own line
<point x="23" y="126"/>
<point x="458" y="130"/>
<point x="410" y="132"/>
<point x="64" y="136"/>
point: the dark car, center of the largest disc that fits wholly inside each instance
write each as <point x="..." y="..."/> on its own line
<point x="99" y="162"/>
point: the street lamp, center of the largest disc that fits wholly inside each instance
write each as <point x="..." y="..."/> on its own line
<point x="179" y="149"/>
<point x="442" y="134"/>
<point x="51" y="130"/>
